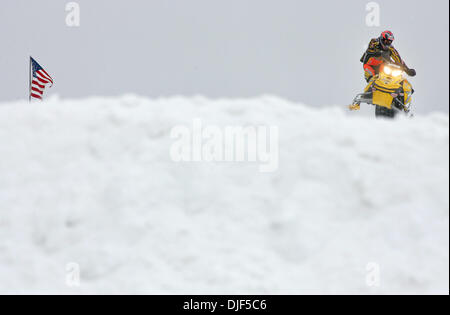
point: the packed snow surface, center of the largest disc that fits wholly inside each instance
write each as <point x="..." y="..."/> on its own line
<point x="357" y="205"/>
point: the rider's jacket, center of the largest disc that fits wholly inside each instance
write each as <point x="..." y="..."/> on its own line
<point x="374" y="50"/>
<point x="374" y="55"/>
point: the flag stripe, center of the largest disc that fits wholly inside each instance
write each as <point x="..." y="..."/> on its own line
<point x="37" y="90"/>
<point x="34" y="82"/>
<point x="36" y="96"/>
<point x="42" y="80"/>
<point x="48" y="75"/>
<point x="43" y="75"/>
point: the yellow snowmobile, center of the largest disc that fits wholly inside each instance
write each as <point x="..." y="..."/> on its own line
<point x="389" y="91"/>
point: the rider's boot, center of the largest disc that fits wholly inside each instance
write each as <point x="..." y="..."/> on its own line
<point x="355" y="106"/>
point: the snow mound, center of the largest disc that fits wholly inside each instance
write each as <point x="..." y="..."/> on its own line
<point x="357" y="205"/>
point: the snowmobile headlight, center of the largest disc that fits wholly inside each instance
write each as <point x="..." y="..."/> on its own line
<point x="397" y="73"/>
<point x="387" y="70"/>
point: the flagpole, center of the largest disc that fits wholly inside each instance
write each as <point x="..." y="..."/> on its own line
<point x="29" y="83"/>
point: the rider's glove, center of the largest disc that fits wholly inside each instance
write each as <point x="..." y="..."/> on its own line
<point x="411" y="72"/>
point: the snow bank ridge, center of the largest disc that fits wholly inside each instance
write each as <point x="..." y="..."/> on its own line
<point x="94" y="182"/>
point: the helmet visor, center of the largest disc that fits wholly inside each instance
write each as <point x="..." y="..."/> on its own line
<point x="387" y="42"/>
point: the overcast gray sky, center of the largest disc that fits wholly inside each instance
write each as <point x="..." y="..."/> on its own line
<point x="306" y="51"/>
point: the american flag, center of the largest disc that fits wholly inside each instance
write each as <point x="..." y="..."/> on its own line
<point x="39" y="79"/>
